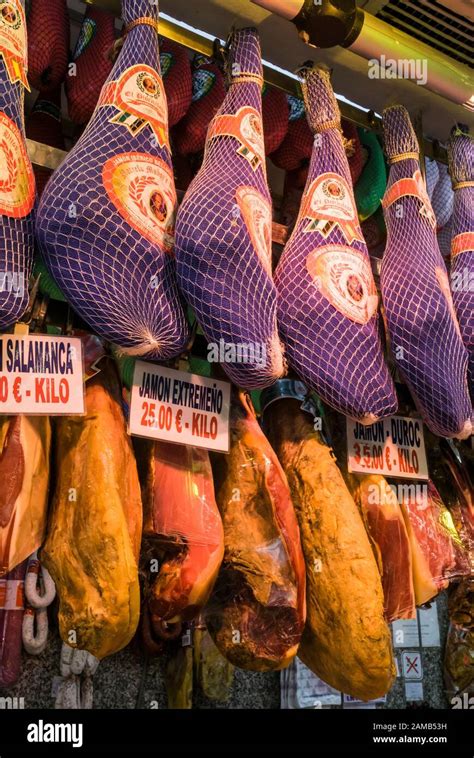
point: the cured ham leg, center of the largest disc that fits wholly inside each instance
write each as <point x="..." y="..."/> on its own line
<point x="182" y="528"/>
<point x="275" y="113"/>
<point x="223" y="229"/>
<point x="327" y="299"/>
<point x="257" y="610"/>
<point x="208" y="92"/>
<point x="346" y="641"/>
<point x="17" y="182"/>
<point x="387" y="528"/>
<point x="25" y="443"/>
<point x="424" y="334"/>
<point x="92" y="63"/>
<point x="461" y="166"/>
<point x="44" y="126"/>
<point x="177" y="78"/>
<point x="95" y="525"/>
<point x="296" y="148"/>
<point x="106" y="219"/>
<point x="48" y="43"/>
<point x="12" y="604"/>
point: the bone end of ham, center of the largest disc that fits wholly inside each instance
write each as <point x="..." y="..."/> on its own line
<point x="183" y="527"/>
<point x="257" y="609"/>
<point x="387" y="528"/>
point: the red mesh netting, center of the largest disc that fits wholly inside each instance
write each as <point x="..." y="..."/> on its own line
<point x="177" y="79"/>
<point x="93" y="64"/>
<point x="44" y="125"/>
<point x="48" y="43"/>
<point x="208" y="94"/>
<point x="275" y="112"/>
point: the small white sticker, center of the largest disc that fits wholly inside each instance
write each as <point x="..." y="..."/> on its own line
<point x="429" y="626"/>
<point x="405" y="633"/>
<point x="411" y="664"/>
<point x="413" y="691"/>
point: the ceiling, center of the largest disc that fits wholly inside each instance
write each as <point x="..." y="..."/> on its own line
<point x="282" y="46"/>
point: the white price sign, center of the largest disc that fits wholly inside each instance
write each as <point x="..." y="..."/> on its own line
<point x="394" y="446"/>
<point x="41" y="375"/>
<point x="178" y="407"/>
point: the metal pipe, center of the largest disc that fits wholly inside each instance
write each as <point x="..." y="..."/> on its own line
<point x="393" y="49"/>
<point x="445" y="76"/>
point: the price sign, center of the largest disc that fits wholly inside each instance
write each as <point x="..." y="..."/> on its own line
<point x="394" y="446"/>
<point x="41" y="375"/>
<point x="178" y="407"/>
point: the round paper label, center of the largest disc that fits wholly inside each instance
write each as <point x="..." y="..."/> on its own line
<point x="17" y="180"/>
<point x="13" y="45"/>
<point x="142" y="189"/>
<point x="203" y="82"/>
<point x="257" y="215"/>
<point x="344" y="277"/>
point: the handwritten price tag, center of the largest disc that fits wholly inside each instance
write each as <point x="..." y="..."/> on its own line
<point x="178" y="407"/>
<point x="394" y="447"/>
<point x="41" y="375"/>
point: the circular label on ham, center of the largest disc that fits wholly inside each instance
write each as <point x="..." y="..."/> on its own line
<point x="17" y="180"/>
<point x="142" y="189"/>
<point x="344" y="277"/>
<point x="13" y="46"/>
<point x="257" y="216"/>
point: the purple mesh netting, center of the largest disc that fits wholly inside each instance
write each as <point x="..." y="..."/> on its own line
<point x="461" y="164"/>
<point x="444" y="236"/>
<point x="16" y="185"/>
<point x="432" y="175"/>
<point x="443" y="197"/>
<point x="116" y="272"/>
<point x="327" y="306"/>
<point x="223" y="228"/>
<point x="425" y="338"/>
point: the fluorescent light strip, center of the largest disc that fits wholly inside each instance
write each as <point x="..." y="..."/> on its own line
<point x="280" y="70"/>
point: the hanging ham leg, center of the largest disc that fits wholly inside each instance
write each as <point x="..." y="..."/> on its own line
<point x="327" y="308"/>
<point x="92" y="63"/>
<point x="182" y="531"/>
<point x="257" y="610"/>
<point x="461" y="166"/>
<point x="17" y="182"/>
<point x="95" y="526"/>
<point x="24" y="475"/>
<point x="106" y="219"/>
<point x="12" y="593"/>
<point x="425" y="338"/>
<point x="48" y="43"/>
<point x="275" y="114"/>
<point x="177" y="78"/>
<point x="346" y="640"/>
<point x="386" y="527"/>
<point x="208" y="92"/>
<point x="223" y="230"/>
<point x="296" y="148"/>
<point x="44" y="126"/>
